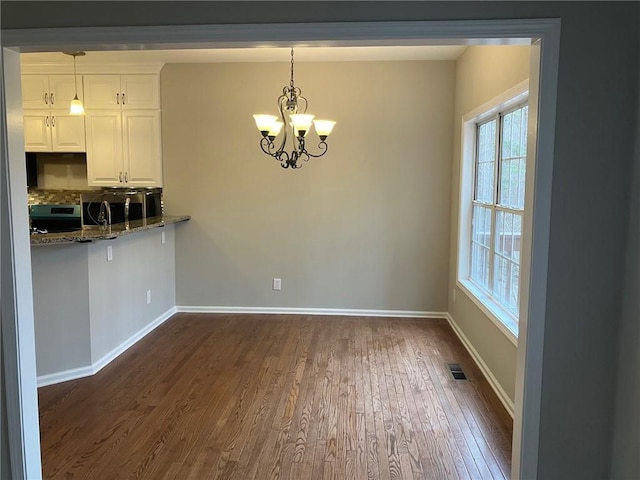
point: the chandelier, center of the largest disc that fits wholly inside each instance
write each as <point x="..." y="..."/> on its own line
<point x="291" y="102"/>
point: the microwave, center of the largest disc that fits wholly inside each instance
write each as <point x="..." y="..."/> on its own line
<point x="124" y="205"/>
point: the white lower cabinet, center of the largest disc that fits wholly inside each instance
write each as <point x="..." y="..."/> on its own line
<point x="53" y="131"/>
<point x="124" y="148"/>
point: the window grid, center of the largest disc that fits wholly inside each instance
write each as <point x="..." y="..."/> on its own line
<point x="495" y="264"/>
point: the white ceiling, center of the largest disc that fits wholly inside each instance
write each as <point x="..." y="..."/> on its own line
<point x="262" y="54"/>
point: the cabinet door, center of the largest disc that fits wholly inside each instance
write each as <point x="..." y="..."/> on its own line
<point x="104" y="148"/>
<point x="140" y="91"/>
<point x="67" y="132"/>
<point x="62" y="89"/>
<point x="37" y="131"/>
<point x="142" y="148"/>
<point x="35" y="91"/>
<point x="102" y="92"/>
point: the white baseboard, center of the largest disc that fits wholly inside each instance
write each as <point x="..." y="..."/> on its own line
<point x="120" y="349"/>
<point x="311" y="311"/>
<point x="59" y="377"/>
<point x="76" y="373"/>
<point x="495" y="385"/>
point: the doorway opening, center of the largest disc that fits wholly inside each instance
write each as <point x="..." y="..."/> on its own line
<point x="21" y="388"/>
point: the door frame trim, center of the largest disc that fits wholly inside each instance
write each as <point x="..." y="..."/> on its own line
<point x="545" y="35"/>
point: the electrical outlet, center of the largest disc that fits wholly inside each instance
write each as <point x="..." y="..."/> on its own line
<point x="148" y="297"/>
<point x="277" y="284"/>
<point x="109" y="253"/>
<point x="163" y="239"/>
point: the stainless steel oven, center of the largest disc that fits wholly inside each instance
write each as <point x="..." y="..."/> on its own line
<point x="54" y="218"/>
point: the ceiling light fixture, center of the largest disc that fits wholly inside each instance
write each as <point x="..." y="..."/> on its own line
<point x="295" y="105"/>
<point x="76" y="107"/>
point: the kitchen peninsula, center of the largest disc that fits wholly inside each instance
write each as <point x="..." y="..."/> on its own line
<point x="98" y="291"/>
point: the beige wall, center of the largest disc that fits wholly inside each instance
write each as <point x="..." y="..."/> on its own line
<point x="482" y="74"/>
<point x="364" y="227"/>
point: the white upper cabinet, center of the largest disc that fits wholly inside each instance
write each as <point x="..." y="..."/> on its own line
<point x="48" y="127"/>
<point x="49" y="91"/>
<point x="104" y="149"/>
<point x="126" y="92"/>
<point x="124" y="145"/>
<point x="142" y="147"/>
<point x="124" y="149"/>
<point x="53" y="131"/>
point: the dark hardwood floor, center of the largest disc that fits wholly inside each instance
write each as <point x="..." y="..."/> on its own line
<point x="273" y="396"/>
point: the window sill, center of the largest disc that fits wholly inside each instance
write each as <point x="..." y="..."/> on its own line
<point x="505" y="322"/>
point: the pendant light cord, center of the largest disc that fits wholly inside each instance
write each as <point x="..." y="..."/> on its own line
<point x="75" y="76"/>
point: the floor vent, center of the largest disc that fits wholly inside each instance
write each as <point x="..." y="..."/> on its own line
<point x="456" y="371"/>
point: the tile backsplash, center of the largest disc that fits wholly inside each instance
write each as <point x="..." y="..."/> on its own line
<point x="40" y="196"/>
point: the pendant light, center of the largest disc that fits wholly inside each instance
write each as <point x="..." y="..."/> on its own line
<point x="76" y="107"/>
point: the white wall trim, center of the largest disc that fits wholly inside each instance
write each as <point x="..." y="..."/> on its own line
<point x="95" y="367"/>
<point x="493" y="381"/>
<point x="65" y="376"/>
<point x="353" y="312"/>
<point x="120" y="349"/>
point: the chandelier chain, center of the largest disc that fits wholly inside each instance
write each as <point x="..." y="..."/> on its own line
<point x="291" y="82"/>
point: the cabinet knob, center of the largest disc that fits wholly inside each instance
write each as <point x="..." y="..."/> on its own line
<point x="46" y="98"/>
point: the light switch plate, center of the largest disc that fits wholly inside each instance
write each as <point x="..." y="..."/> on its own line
<point x="109" y="253"/>
<point x="163" y="239"/>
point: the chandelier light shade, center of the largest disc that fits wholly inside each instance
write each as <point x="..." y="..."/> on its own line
<point x="76" y="107"/>
<point x="292" y="104"/>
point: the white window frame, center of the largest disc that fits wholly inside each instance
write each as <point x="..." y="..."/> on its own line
<point x="506" y="322"/>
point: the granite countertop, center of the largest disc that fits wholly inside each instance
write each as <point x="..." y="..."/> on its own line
<point x="106" y="233"/>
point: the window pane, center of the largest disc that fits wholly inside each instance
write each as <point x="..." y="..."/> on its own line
<point x="508" y="235"/>
<point x="506" y="281"/>
<point x="506" y="270"/>
<point x="485" y="162"/>
<point x="512" y="163"/>
<point x="514" y="133"/>
<point x="480" y="242"/>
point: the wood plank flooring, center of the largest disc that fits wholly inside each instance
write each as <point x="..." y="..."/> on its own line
<point x="279" y="397"/>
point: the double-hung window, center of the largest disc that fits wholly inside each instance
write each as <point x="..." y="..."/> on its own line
<point x="495" y="211"/>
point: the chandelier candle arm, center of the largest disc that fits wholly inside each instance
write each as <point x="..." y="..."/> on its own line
<point x="293" y="104"/>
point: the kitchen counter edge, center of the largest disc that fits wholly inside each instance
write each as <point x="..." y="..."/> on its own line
<point x="106" y="233"/>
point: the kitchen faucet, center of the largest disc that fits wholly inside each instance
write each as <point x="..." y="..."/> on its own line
<point x="127" y="202"/>
<point x="104" y="208"/>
